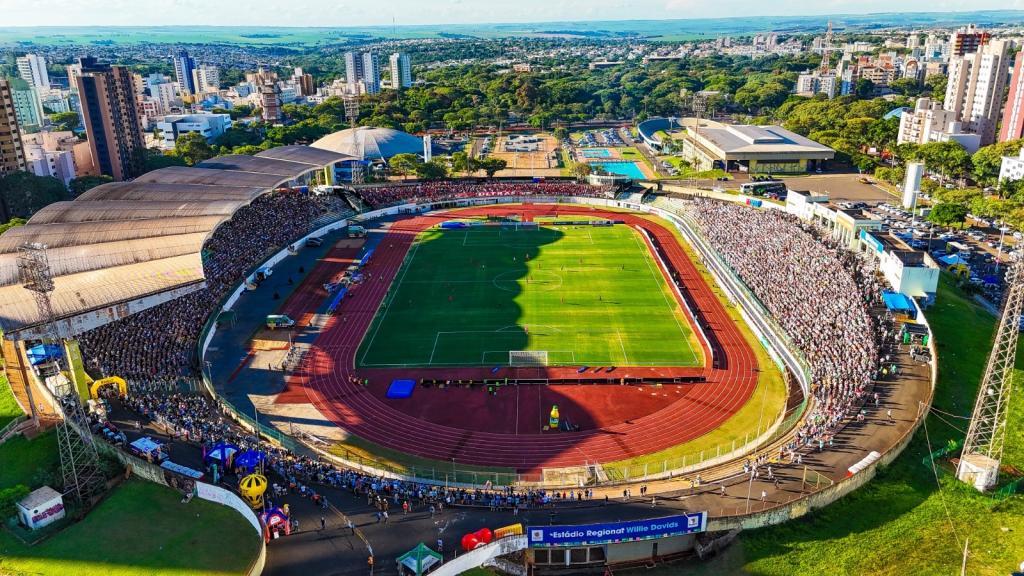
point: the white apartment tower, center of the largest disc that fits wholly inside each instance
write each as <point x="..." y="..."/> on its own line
<point x="206" y="78"/>
<point x="32" y="69"/>
<point x="401" y="70"/>
<point x="974" y="93"/>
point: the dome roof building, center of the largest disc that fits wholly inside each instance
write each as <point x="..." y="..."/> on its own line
<point x="369" y="143"/>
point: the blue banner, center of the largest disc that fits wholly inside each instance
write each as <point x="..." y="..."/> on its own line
<point x="589" y="534"/>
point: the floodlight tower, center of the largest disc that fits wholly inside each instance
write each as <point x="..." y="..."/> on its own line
<point x="826" y="49"/>
<point x="79" y="461"/>
<point x="983" y="447"/>
<point x="351" y="100"/>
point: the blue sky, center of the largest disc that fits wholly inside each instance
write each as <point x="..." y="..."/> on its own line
<point x="365" y="12"/>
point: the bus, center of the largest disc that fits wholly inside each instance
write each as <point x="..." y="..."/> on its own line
<point x="775" y="189"/>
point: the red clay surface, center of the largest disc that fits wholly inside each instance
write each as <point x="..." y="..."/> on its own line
<point x="472" y="427"/>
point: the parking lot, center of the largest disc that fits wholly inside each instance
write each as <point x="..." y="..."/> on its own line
<point x="977" y="244"/>
<point x="841" y="187"/>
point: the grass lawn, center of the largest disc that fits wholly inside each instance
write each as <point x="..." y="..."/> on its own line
<point x="142" y="528"/>
<point x="9" y="409"/>
<point x="589" y="295"/>
<point x="903" y="522"/>
<point x="22" y="461"/>
<point x="631" y="153"/>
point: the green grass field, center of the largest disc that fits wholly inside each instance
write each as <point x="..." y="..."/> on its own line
<point x="142" y="528"/>
<point x="585" y="295"/>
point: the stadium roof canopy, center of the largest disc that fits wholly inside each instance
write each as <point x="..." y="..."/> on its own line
<point x="123" y="247"/>
<point x="367" y="143"/>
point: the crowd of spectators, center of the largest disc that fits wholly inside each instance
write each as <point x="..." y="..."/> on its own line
<point x="199" y="420"/>
<point x="160" y="342"/>
<point x="818" y="292"/>
<point x="377" y="196"/>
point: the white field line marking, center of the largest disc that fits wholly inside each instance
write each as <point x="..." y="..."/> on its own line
<point x="659" y="279"/>
<point x="625" y="357"/>
<point x="434" y="349"/>
<point x="390" y="297"/>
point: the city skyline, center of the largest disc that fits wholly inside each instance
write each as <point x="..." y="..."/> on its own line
<point x="320" y="13"/>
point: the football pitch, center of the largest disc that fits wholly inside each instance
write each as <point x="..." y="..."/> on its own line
<point x="572" y="295"/>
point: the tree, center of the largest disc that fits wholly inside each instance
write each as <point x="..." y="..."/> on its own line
<point x="988" y="159"/>
<point x="66" y="120"/>
<point x="24" y="194"/>
<point x="82" y="184"/>
<point x="905" y="86"/>
<point x="864" y="88"/>
<point x="404" y="164"/>
<point x="12" y="223"/>
<point x="492" y="165"/>
<point x="948" y="215"/>
<point x="431" y="170"/>
<point x="461" y="162"/>
<point x="155" y="159"/>
<point x="193" y="148"/>
<point x="581" y="170"/>
<point x="562" y="133"/>
<point x="937" y="84"/>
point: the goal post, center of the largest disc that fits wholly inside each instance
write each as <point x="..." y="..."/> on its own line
<point x="527" y="357"/>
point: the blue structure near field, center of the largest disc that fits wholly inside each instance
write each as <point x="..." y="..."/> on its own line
<point x="899" y="304"/>
<point x="336" y="301"/>
<point x="401" y="389"/>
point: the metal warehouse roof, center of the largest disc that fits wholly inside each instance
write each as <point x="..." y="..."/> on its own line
<point x="123" y="241"/>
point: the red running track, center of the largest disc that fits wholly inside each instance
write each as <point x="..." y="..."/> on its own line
<point x="482" y="437"/>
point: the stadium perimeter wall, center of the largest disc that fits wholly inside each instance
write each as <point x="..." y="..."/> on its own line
<point x="769" y="334"/>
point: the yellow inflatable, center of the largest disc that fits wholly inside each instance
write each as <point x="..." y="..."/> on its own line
<point x="252" y="488"/>
<point x="122" y="386"/>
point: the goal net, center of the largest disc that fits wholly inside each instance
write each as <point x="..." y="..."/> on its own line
<point x="527" y="357"/>
<point x="517" y="226"/>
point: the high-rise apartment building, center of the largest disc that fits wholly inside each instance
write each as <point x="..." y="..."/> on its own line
<point x="967" y="40"/>
<point x="974" y="93"/>
<point x="269" y="92"/>
<point x="1013" y="115"/>
<point x="28" y="108"/>
<point x="184" y="65"/>
<point x="112" y="120"/>
<point x="32" y="69"/>
<point x="206" y="78"/>
<point x="12" y="155"/>
<point x="401" y="70"/>
<point x="304" y="82"/>
<point x="362" y="72"/>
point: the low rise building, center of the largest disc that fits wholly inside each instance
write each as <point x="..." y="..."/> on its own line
<point x="211" y="126"/>
<point x="930" y="122"/>
<point x="747" y="148"/>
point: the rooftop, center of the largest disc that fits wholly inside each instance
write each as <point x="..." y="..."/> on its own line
<point x="124" y="241"/>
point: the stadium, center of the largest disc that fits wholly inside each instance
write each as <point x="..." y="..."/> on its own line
<point x="496" y="345"/>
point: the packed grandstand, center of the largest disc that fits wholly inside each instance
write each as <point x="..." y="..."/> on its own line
<point x="823" y="296"/>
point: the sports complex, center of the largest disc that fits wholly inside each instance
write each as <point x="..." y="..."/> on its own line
<point x="505" y="355"/>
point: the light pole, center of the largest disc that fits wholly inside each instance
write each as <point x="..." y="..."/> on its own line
<point x="999" y="251"/>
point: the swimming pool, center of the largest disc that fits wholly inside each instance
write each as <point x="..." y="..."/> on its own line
<point x="629" y="169"/>
<point x="597" y="153"/>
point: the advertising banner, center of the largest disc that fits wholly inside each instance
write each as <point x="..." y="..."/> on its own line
<point x="589" y="534"/>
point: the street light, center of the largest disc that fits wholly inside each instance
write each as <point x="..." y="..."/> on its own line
<point x="999" y="251"/>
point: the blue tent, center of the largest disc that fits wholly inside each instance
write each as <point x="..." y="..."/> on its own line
<point x="43" y="353"/>
<point x="953" y="260"/>
<point x="899" y="303"/>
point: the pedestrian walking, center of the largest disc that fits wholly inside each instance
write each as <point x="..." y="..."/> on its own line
<point x="323" y="523"/>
